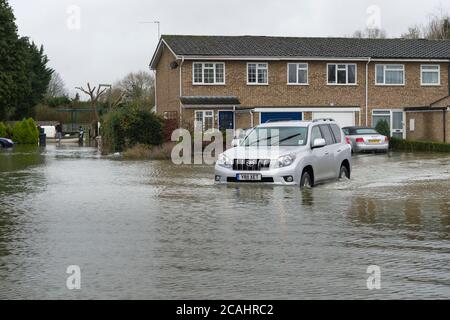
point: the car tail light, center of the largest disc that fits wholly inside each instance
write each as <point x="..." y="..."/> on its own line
<point x="359" y="140"/>
<point x="347" y="139"/>
<point x="386" y="139"/>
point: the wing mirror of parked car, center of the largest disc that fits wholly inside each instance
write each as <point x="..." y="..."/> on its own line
<point x="318" y="143"/>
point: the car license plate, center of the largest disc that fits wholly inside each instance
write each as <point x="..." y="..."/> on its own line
<point x="374" y="141"/>
<point x="248" y="177"/>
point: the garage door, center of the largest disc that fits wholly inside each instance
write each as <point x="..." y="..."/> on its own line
<point x="280" y="116"/>
<point x="344" y="119"/>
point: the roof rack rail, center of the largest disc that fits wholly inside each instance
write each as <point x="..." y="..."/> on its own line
<point x="323" y="119"/>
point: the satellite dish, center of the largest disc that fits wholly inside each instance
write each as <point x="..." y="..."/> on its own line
<point x="173" y="65"/>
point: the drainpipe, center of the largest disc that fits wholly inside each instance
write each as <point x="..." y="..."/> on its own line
<point x="234" y="119"/>
<point x="448" y="80"/>
<point x="181" y="90"/>
<point x="367" y="93"/>
<point x="156" y="99"/>
<point x="444" y="117"/>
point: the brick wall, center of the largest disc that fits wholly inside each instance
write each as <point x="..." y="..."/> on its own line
<point x="278" y="94"/>
<point x="167" y="84"/>
<point x="412" y="94"/>
<point x="429" y="125"/>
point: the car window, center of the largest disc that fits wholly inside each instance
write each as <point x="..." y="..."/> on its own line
<point x="316" y="134"/>
<point x="336" y="132"/>
<point x="277" y="136"/>
<point x="327" y="135"/>
<point x="366" y="131"/>
<point x="346" y="131"/>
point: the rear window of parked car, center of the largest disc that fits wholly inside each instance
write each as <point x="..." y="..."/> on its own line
<point x="365" y="131"/>
<point x="336" y="132"/>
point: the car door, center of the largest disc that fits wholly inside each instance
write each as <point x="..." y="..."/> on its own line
<point x="338" y="149"/>
<point x="329" y="151"/>
<point x="320" y="160"/>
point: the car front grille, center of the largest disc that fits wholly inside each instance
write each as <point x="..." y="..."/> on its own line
<point x="251" y="164"/>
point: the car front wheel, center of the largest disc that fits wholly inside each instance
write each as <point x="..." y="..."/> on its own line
<point x="306" y="181"/>
<point x="343" y="173"/>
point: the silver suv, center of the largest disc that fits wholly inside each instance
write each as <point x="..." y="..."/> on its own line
<point x="300" y="153"/>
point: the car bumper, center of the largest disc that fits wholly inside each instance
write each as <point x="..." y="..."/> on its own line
<point x="273" y="176"/>
<point x="368" y="147"/>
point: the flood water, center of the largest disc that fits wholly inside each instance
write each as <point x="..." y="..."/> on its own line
<point x="154" y="230"/>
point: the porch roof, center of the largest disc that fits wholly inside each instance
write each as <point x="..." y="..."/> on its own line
<point x="210" y="100"/>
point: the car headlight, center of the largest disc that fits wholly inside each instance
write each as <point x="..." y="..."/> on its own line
<point x="224" y="161"/>
<point x="285" y="161"/>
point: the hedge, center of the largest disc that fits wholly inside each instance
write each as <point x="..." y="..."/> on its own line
<point x="3" y="130"/>
<point x="127" y="127"/>
<point x="418" y="146"/>
<point x="25" y="132"/>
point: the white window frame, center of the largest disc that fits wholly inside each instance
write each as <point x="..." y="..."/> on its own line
<point x="438" y="72"/>
<point x="346" y="74"/>
<point x="390" y="113"/>
<point x="384" y="75"/>
<point x="203" y="118"/>
<point x="258" y="68"/>
<point x="297" y="64"/>
<point x="215" y="83"/>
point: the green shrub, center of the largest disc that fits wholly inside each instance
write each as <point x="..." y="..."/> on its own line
<point x="383" y="128"/>
<point x="57" y="101"/>
<point x="3" y="130"/>
<point x="25" y="132"/>
<point x="127" y="127"/>
<point x="418" y="146"/>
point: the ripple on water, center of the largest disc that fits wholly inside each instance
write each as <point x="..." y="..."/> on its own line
<point x="143" y="229"/>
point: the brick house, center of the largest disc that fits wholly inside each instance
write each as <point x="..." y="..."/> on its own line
<point x="231" y="82"/>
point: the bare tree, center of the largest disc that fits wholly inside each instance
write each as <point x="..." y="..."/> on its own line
<point x="414" y="32"/>
<point x="94" y="94"/>
<point x="56" y="86"/>
<point x="370" y="33"/>
<point x="437" y="28"/>
<point x="138" y="88"/>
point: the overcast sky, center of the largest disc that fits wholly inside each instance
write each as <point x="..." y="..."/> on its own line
<point x="110" y="41"/>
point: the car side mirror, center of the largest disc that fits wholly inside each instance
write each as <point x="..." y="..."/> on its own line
<point x="236" y="142"/>
<point x="318" y="143"/>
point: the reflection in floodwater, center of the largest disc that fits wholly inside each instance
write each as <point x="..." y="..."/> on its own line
<point x="153" y="230"/>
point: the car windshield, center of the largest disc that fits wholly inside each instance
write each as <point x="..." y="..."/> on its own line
<point x="366" y="131"/>
<point x="277" y="136"/>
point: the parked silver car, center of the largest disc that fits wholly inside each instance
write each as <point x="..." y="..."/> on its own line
<point x="363" y="139"/>
<point x="288" y="153"/>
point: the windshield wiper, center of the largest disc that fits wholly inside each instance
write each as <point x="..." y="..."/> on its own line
<point x="258" y="141"/>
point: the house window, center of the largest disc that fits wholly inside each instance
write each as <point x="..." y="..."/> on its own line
<point x="390" y="74"/>
<point x="208" y="73"/>
<point x="297" y="73"/>
<point x="204" y="120"/>
<point x="430" y="75"/>
<point x="257" y="73"/>
<point x="341" y="74"/>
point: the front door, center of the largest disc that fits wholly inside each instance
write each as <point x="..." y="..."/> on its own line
<point x="397" y="124"/>
<point x="394" y="118"/>
<point x="226" y="120"/>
